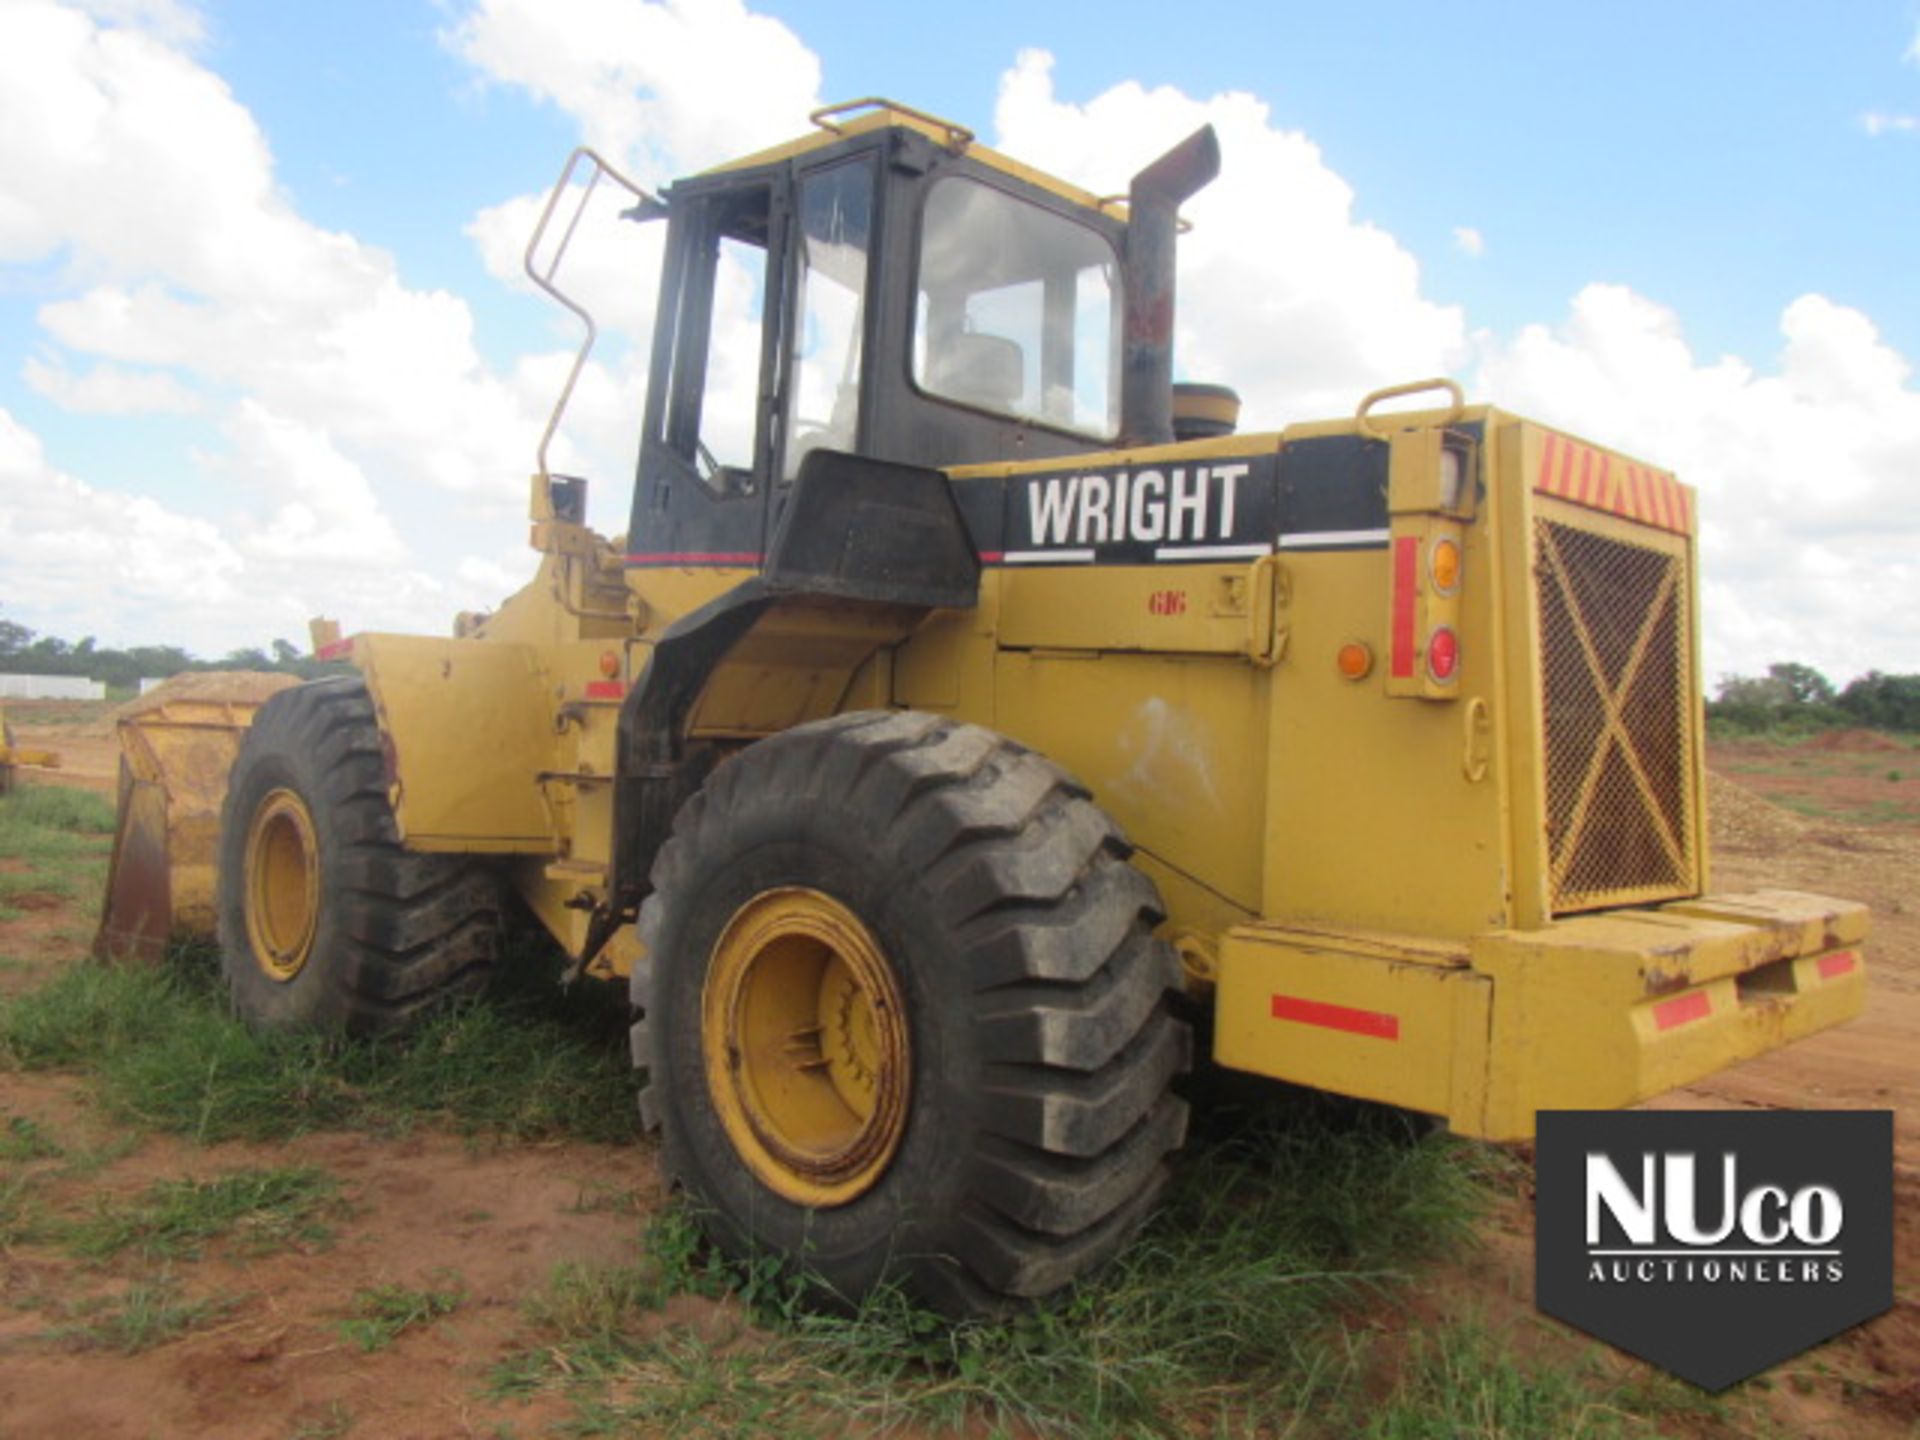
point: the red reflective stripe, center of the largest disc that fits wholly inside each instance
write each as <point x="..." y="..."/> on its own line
<point x="697" y="557"/>
<point x="1841" y="964"/>
<point x="1608" y="497"/>
<point x="1374" y="1023"/>
<point x="605" y="689"/>
<point x="1669" y="1013"/>
<point x="1569" y="452"/>
<point x="991" y="557"/>
<point x="338" y="650"/>
<point x="1663" y="501"/>
<point x="1406" y="572"/>
<point x="1547" y="452"/>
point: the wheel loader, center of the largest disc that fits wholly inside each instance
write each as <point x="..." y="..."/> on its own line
<point x="974" y="731"/>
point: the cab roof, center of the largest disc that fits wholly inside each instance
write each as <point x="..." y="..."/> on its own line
<point x="837" y="123"/>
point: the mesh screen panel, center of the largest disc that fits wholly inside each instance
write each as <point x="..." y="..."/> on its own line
<point x="1614" y="671"/>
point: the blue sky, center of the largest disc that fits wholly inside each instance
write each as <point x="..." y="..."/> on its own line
<point x="1649" y="190"/>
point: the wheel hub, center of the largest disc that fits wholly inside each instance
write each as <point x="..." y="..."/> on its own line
<point x="283" y="885"/>
<point x="804" y="1034"/>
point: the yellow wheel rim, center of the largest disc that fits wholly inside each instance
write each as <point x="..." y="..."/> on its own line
<point x="805" y="1039"/>
<point x="283" y="885"/>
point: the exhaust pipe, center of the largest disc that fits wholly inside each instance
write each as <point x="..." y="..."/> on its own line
<point x="1153" y="209"/>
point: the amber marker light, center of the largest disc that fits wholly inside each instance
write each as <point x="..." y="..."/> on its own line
<point x="609" y="664"/>
<point x="1443" y="654"/>
<point x="1444" y="566"/>
<point x="1355" y="660"/>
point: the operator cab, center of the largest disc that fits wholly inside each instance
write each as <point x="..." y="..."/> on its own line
<point x="885" y="288"/>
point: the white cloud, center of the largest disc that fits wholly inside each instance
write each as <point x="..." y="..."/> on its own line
<point x="1469" y="241"/>
<point x="184" y="278"/>
<point x="1809" y="513"/>
<point x="109" y="389"/>
<point x="496" y="575"/>
<point x="177" y="22"/>
<point x="603" y="262"/>
<point x="105" y="560"/>
<point x="324" y="511"/>
<point x="1877" y="123"/>
<point x="1284" y="293"/>
<point x="133" y="164"/>
<point x="82" y="560"/>
<point x="664" y="87"/>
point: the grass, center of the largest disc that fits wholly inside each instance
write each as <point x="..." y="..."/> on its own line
<point x="1880" y="812"/>
<point x="62" y="837"/>
<point x="52" y="807"/>
<point x="335" y="1420"/>
<point x="19" y="1211"/>
<point x="260" y="1210"/>
<point x="165" y="1054"/>
<point x="150" y="1313"/>
<point x="1224" y="1315"/>
<point x="23" y="1140"/>
<point x="1461" y="1383"/>
<point x="385" y="1312"/>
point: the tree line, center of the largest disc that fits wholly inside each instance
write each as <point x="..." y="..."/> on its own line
<point x="1796" y="697"/>
<point x="25" y="652"/>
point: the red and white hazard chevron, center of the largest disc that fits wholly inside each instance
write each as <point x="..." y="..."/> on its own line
<point x="1598" y="480"/>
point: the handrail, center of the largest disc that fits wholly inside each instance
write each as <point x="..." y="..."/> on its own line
<point x="1371" y="426"/>
<point x="544" y="279"/>
<point x="958" y="136"/>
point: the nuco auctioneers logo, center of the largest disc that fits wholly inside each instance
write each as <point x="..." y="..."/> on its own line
<point x="1714" y="1243"/>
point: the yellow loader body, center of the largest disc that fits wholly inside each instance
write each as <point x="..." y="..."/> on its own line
<point x="1410" y="898"/>
<point x="13" y="755"/>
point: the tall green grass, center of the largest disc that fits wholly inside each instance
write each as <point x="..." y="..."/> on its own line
<point x="261" y="1210"/>
<point x="53" y="807"/>
<point x="62" y="839"/>
<point x="164" y="1052"/>
<point x="1461" y="1383"/>
<point x="1224" y="1317"/>
<point x="151" y="1312"/>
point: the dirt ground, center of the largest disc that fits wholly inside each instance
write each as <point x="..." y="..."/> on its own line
<point x="491" y="1221"/>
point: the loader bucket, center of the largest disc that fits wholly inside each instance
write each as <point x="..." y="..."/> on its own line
<point x="177" y="744"/>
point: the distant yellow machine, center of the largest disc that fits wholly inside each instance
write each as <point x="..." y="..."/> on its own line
<point x="13" y="755"/>
<point x="964" y="690"/>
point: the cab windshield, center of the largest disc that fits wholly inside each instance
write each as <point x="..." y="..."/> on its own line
<point x="1017" y="310"/>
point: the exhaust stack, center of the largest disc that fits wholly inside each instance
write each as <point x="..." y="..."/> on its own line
<point x="1153" y="208"/>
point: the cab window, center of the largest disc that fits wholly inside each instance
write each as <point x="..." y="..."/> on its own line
<point x="723" y="311"/>
<point x="834" y="212"/>
<point x="1017" y="310"/>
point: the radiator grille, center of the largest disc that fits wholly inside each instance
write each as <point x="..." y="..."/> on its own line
<point x="1619" y="738"/>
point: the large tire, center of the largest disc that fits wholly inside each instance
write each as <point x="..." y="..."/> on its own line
<point x="979" y="910"/>
<point x="325" y="921"/>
